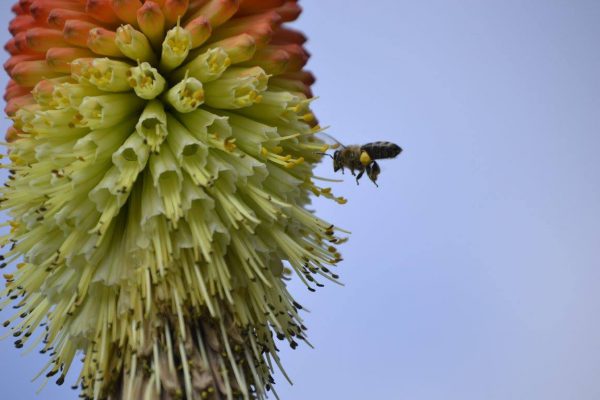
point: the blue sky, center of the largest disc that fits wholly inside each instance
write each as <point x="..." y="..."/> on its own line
<point x="473" y="270"/>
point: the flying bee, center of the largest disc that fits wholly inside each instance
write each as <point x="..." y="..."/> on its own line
<point x="362" y="158"/>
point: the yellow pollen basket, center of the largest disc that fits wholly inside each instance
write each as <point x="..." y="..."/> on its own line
<point x="365" y="158"/>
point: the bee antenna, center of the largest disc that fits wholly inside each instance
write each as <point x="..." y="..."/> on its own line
<point x="326" y="154"/>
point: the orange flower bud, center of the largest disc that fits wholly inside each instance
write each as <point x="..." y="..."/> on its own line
<point x="58" y="17"/>
<point x="260" y="27"/>
<point x="76" y="32"/>
<point x="200" y="30"/>
<point x="42" y="39"/>
<point x="126" y="10"/>
<point x="40" y="9"/>
<point x="17" y="9"/>
<point x="258" y="6"/>
<point x="102" y="41"/>
<point x="289" y="11"/>
<point x="59" y="58"/>
<point x="29" y="73"/>
<point x="22" y="23"/>
<point x="151" y="21"/>
<point x="174" y="10"/>
<point x="12" y="134"/>
<point x="102" y="11"/>
<point x="13" y="105"/>
<point x="13" y="89"/>
<point x="298" y="55"/>
<point x="287" y="35"/>
<point x="217" y="11"/>
<point x="15" y="60"/>
<point x="303" y="76"/>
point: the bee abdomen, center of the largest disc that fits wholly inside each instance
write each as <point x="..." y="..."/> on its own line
<point x="379" y="150"/>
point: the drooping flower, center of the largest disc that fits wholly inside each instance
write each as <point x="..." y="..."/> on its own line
<point x="161" y="161"/>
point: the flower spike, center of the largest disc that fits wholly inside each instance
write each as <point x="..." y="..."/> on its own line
<point x="161" y="161"/>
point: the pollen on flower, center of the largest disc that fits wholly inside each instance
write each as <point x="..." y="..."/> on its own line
<point x="146" y="81"/>
<point x="161" y="161"/>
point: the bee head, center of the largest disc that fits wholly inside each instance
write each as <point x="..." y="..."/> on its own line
<point x="337" y="162"/>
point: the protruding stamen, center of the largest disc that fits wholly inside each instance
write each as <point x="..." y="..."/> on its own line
<point x="237" y="88"/>
<point x="279" y="105"/>
<point x="286" y="161"/>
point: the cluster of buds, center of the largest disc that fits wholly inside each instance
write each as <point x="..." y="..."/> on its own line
<point x="161" y="160"/>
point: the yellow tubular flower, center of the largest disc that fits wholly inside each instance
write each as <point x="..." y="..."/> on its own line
<point x="161" y="160"/>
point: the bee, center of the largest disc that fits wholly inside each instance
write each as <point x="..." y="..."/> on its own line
<point x="362" y="158"/>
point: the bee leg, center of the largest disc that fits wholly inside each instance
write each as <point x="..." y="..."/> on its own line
<point x="360" y="174"/>
<point x="373" y="171"/>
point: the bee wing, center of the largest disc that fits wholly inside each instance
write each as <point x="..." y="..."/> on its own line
<point x="332" y="142"/>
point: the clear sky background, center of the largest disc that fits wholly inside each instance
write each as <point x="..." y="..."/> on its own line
<point x="473" y="270"/>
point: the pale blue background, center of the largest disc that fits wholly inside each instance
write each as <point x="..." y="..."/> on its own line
<point x="472" y="272"/>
